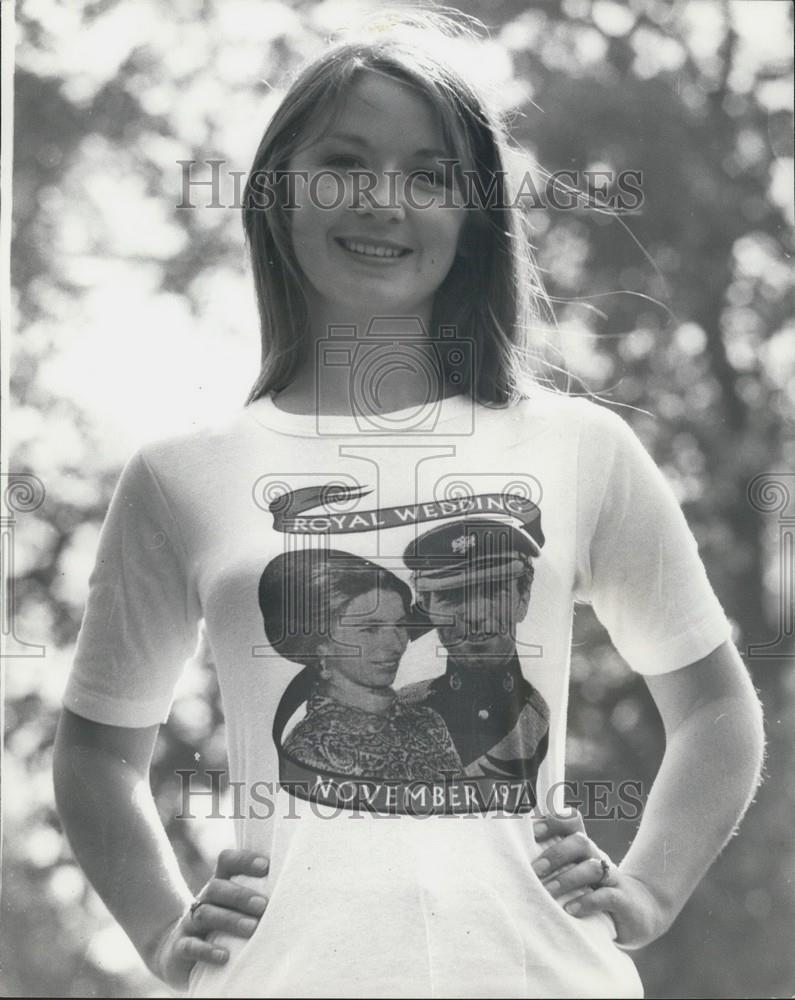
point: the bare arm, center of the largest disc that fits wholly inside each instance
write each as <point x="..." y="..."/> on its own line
<point x="102" y="792"/>
<point x="101" y="776"/>
<point x="711" y="768"/>
<point x="707" y="778"/>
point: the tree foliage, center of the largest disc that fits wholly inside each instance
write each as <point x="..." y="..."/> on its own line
<point x="680" y="310"/>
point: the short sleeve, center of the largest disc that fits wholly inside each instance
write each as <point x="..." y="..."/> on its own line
<point x="140" y="623"/>
<point x="638" y="562"/>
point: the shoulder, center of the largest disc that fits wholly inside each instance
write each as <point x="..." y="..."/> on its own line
<point x="532" y="697"/>
<point x="320" y="717"/>
<point x="306" y="741"/>
<point x="599" y="433"/>
<point x="420" y="713"/>
<point x="555" y="413"/>
<point x="322" y="707"/>
<point x="180" y="462"/>
<point x="415" y="694"/>
<point x="200" y="442"/>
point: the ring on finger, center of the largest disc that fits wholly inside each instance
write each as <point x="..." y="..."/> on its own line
<point x="604" y="878"/>
<point x="194" y="906"/>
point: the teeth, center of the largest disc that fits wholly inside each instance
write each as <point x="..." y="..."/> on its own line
<point x="368" y="250"/>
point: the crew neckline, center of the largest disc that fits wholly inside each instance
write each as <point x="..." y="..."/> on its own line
<point x="410" y="421"/>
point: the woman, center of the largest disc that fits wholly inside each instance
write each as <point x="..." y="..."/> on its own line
<point x="348" y="618"/>
<point x="407" y="907"/>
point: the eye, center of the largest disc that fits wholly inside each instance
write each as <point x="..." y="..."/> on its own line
<point x="344" y="161"/>
<point x="432" y="176"/>
<point x="450" y="598"/>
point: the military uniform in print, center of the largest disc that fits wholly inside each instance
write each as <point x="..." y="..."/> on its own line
<point x="473" y="580"/>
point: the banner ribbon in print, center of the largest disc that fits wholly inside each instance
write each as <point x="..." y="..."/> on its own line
<point x="459" y="796"/>
<point x="291" y="511"/>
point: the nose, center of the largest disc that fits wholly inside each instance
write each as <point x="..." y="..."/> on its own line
<point x="380" y="195"/>
<point x="396" y="639"/>
<point x="483" y="613"/>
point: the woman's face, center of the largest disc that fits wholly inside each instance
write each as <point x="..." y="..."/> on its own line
<point x="389" y="254"/>
<point x="369" y="638"/>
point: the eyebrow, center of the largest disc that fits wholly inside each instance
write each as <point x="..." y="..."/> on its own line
<point x="359" y="140"/>
<point x="368" y="622"/>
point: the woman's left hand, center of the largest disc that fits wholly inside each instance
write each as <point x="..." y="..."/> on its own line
<point x="574" y="864"/>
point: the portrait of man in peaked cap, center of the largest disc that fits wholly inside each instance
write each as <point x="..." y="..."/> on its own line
<point x="473" y="579"/>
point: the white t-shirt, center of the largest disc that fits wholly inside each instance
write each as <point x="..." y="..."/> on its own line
<point x="400" y="838"/>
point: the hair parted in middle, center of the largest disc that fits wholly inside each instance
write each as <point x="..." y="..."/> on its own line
<point x="493" y="295"/>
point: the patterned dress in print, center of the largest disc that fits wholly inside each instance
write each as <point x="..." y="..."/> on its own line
<point x="409" y="743"/>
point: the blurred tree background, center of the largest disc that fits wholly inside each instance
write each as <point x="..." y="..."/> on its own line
<point x="135" y="319"/>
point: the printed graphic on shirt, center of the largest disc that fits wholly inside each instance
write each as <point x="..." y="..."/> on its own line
<point x="469" y="739"/>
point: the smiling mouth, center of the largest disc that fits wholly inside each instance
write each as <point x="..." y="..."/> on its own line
<point x="373" y="251"/>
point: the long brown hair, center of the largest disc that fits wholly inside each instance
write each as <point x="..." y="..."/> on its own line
<point x="492" y="296"/>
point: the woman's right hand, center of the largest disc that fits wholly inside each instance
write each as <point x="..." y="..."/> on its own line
<point x="223" y="905"/>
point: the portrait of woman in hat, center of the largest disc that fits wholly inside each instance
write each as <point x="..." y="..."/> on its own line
<point x="348" y="619"/>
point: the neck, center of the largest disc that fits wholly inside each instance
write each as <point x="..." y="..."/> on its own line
<point x="400" y="320"/>
<point x="376" y="700"/>
<point x="327" y="389"/>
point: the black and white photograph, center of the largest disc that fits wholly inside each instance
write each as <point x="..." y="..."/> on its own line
<point x="398" y="499"/>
